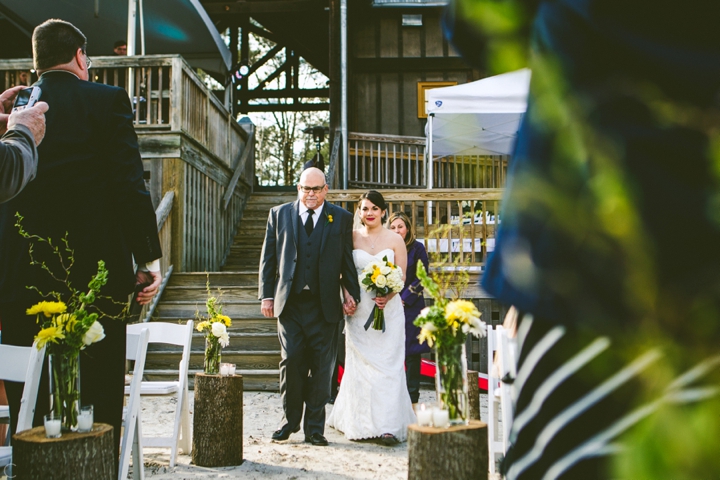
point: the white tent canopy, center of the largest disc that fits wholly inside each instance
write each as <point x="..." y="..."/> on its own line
<point x="478" y="118"/>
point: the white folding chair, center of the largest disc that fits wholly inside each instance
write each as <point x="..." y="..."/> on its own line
<point x="501" y="363"/>
<point x="21" y="364"/>
<point x="131" y="440"/>
<point x="180" y="335"/>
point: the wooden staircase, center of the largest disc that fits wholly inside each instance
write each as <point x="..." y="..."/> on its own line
<point x="254" y="345"/>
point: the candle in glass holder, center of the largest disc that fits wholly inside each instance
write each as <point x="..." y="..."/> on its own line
<point x="85" y="419"/>
<point x="424" y="415"/>
<point x="441" y="418"/>
<point x="224" y="369"/>
<point x="231" y="369"/>
<point x="52" y="426"/>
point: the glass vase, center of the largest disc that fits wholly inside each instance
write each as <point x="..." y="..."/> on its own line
<point x="64" y="370"/>
<point x="451" y="385"/>
<point x="212" y="357"/>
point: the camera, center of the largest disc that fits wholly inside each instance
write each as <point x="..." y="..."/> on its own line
<point x="26" y="98"/>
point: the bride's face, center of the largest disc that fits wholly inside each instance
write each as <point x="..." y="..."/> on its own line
<point x="370" y="213"/>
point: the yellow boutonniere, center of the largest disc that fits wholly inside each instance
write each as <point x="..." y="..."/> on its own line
<point x="329" y="219"/>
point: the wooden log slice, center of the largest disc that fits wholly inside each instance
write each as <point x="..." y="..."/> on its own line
<point x="74" y="456"/>
<point x="455" y="453"/>
<point x="473" y="395"/>
<point x="218" y="421"/>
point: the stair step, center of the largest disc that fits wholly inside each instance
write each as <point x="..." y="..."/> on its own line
<point x="199" y="293"/>
<point x="258" y="324"/>
<point x="257" y="342"/>
<point x="245" y="277"/>
<point x="187" y="309"/>
<point x="253" y="380"/>
<point x="243" y="359"/>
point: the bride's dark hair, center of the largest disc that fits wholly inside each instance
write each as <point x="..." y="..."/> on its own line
<point x="376" y="198"/>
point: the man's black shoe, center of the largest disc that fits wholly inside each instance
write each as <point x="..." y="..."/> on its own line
<point x="284" y="433"/>
<point x="316" y="439"/>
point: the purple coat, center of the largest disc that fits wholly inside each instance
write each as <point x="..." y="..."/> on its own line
<point x="413" y="299"/>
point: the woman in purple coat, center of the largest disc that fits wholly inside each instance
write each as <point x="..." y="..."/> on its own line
<point x="413" y="301"/>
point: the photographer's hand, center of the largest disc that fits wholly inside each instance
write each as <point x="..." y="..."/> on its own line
<point x="33" y="118"/>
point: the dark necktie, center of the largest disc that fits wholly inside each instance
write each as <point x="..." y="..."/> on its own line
<point x="309" y="224"/>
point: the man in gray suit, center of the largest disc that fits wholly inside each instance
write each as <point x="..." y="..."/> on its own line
<point x="306" y="256"/>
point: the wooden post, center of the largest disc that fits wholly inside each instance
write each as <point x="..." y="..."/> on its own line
<point x="218" y="421"/>
<point x="455" y="453"/>
<point x="473" y="395"/>
<point x="80" y="456"/>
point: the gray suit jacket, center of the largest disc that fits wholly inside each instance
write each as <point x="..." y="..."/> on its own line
<point x="18" y="161"/>
<point x="279" y="257"/>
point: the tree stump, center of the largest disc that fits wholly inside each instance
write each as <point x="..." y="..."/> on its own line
<point x="473" y="395"/>
<point x="455" y="453"/>
<point x="74" y="456"/>
<point x="218" y="421"/>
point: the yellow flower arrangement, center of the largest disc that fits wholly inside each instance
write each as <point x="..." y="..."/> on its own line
<point x="214" y="327"/>
<point x="47" y="308"/>
<point x="329" y="219"/>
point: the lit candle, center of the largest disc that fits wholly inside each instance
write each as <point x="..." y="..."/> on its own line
<point x="85" y="419"/>
<point x="441" y="418"/>
<point x="231" y="367"/>
<point x="224" y="370"/>
<point x="52" y="426"/>
<point x="424" y="415"/>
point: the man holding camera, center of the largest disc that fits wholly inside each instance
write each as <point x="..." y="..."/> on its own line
<point x="89" y="184"/>
<point x="21" y="133"/>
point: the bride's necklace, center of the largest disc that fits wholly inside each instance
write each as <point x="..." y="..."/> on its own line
<point x="372" y="242"/>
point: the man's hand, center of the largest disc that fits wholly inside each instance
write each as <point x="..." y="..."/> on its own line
<point x="147" y="293"/>
<point x="7" y="98"/>
<point x="349" y="306"/>
<point x="267" y="308"/>
<point x="33" y="118"/>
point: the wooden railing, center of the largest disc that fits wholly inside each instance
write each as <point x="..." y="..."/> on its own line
<point x="392" y="161"/>
<point x="457" y="226"/>
<point x="190" y="144"/>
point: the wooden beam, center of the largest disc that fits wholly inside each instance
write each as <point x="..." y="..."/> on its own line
<point x="231" y="7"/>
<point x="273" y="51"/>
<point x="290" y="93"/>
<point x="287" y="107"/>
<point x="418" y="64"/>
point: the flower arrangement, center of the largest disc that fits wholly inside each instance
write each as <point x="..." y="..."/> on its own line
<point x="445" y="326"/>
<point x="382" y="277"/>
<point x="214" y="327"/>
<point x="67" y="327"/>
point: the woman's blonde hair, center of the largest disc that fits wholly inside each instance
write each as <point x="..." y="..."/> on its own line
<point x="410" y="236"/>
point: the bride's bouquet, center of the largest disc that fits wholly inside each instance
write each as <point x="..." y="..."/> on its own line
<point x="382" y="278"/>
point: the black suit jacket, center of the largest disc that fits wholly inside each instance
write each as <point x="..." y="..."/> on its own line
<point x="279" y="255"/>
<point x="89" y="184"/>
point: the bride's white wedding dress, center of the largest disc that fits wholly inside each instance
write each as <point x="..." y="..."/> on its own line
<point x="373" y="397"/>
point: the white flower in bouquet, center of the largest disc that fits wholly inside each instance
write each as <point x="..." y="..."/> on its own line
<point x="381" y="281"/>
<point x="95" y="333"/>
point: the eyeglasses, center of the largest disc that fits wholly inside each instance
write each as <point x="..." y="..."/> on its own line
<point x="88" y="61"/>
<point x="314" y="189"/>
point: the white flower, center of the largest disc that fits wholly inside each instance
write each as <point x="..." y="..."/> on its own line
<point x="219" y="329"/>
<point x="476" y="327"/>
<point x="381" y="281"/>
<point x="424" y="312"/>
<point x="94" y="334"/>
<point x="429" y="326"/>
<point x="224" y="340"/>
<point x="385" y="269"/>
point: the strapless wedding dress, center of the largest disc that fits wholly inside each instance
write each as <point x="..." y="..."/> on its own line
<point x="373" y="397"/>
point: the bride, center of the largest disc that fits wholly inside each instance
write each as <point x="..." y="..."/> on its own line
<point x="373" y="400"/>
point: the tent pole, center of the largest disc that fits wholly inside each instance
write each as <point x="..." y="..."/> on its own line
<point x="429" y="163"/>
<point x="141" y="9"/>
<point x="131" y="32"/>
<point x="344" y="91"/>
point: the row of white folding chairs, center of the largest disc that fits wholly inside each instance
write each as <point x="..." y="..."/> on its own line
<point x="501" y="364"/>
<point x="24" y="364"/>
